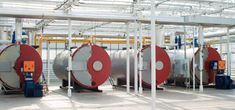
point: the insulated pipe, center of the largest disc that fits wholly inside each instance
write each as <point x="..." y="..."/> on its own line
<point x="84" y="40"/>
<point x="178" y="69"/>
<point x="160" y="36"/>
<point x="11" y="64"/>
<point x="219" y="34"/>
<point x="163" y="66"/>
<point x="91" y="66"/>
<point x="18" y="29"/>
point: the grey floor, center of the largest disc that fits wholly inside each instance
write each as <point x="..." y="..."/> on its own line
<point x="171" y="98"/>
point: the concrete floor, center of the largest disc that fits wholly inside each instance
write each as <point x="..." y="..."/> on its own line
<point x="171" y="98"/>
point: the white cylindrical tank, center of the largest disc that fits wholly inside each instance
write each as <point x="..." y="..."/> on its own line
<point x="163" y="66"/>
<point x="91" y="66"/>
<point x="179" y="72"/>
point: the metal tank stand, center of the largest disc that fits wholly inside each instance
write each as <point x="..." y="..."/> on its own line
<point x="78" y="88"/>
<point x="8" y="91"/>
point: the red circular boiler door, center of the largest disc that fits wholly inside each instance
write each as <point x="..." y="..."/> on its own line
<point x="208" y="74"/>
<point x="163" y="65"/>
<point x="28" y="53"/>
<point x="98" y="66"/>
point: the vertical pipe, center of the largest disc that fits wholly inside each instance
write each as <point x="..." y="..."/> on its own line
<point x="185" y="58"/>
<point x="153" y="54"/>
<point x="221" y="47"/>
<point x="194" y="82"/>
<point x="35" y="39"/>
<point x="185" y="43"/>
<point x="12" y="30"/>
<point x="18" y="29"/>
<point x="140" y="58"/>
<point x="70" y="58"/>
<point x="32" y="38"/>
<point x="30" y="34"/>
<point x="160" y="36"/>
<point x="228" y="54"/>
<point x="40" y="42"/>
<point x="48" y="63"/>
<point x="136" y="59"/>
<point x="201" y="56"/>
<point x="128" y="59"/>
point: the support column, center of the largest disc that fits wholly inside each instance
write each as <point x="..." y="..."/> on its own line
<point x="48" y="63"/>
<point x="194" y="34"/>
<point x="136" y="59"/>
<point x="140" y="58"/>
<point x="228" y="53"/>
<point x="70" y="57"/>
<point x="153" y="54"/>
<point x="128" y="59"/>
<point x="201" y="56"/>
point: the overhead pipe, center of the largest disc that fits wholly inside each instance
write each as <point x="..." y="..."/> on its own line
<point x="96" y="36"/>
<point x="219" y="34"/>
<point x="186" y="20"/>
<point x="89" y="40"/>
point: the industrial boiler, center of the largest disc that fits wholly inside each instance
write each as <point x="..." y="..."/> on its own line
<point x="163" y="66"/>
<point x="182" y="69"/>
<point x="91" y="67"/>
<point x="12" y="58"/>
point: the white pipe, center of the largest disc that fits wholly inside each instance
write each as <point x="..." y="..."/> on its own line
<point x="228" y="53"/>
<point x="153" y="54"/>
<point x="5" y="41"/>
<point x="194" y="82"/>
<point x="136" y="59"/>
<point x="18" y="29"/>
<point x="48" y="63"/>
<point x="70" y="58"/>
<point x="219" y="34"/>
<point x="128" y="59"/>
<point x="221" y="47"/>
<point x="38" y="41"/>
<point x="140" y="59"/>
<point x="30" y="34"/>
<point x="201" y="56"/>
<point x="160" y="36"/>
<point x="185" y="56"/>
<point x="31" y="37"/>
